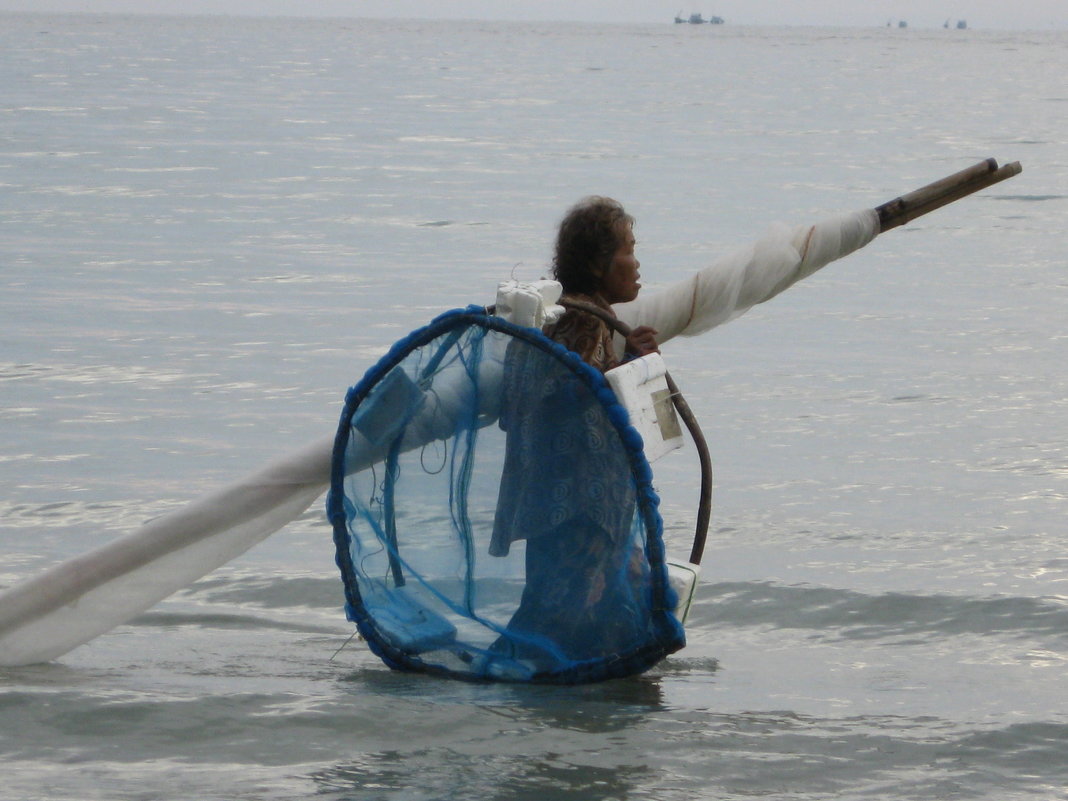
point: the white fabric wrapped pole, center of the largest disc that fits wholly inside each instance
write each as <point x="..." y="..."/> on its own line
<point x="751" y="275"/>
<point x="77" y="600"/>
<point x="72" y="602"/>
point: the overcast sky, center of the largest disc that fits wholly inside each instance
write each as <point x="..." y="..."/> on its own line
<point x="1018" y="14"/>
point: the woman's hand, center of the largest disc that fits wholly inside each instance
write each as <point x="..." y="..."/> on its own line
<point x="642" y="341"/>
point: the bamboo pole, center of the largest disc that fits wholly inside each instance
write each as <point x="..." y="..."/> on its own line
<point x="942" y="192"/>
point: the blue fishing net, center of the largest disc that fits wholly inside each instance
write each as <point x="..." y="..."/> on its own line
<point x="493" y="512"/>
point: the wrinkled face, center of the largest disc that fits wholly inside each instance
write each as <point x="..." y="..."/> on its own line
<point x="620" y="283"/>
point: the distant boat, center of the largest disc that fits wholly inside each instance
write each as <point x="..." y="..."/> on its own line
<point x="902" y="24"/>
<point x="962" y="24"/>
<point x="697" y="19"/>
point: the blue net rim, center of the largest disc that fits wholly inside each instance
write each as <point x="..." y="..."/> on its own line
<point x="671" y="636"/>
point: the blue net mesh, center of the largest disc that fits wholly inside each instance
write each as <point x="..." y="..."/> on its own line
<point x="493" y="512"/>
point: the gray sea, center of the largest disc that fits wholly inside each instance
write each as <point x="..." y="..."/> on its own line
<point x="211" y="226"/>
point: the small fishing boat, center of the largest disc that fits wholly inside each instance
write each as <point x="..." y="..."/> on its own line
<point x="698" y="19"/>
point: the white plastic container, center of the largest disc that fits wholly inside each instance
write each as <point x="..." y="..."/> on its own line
<point x="641" y="386"/>
<point x="530" y="304"/>
<point x="682" y="576"/>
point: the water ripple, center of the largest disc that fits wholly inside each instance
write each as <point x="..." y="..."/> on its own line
<point x="837" y="613"/>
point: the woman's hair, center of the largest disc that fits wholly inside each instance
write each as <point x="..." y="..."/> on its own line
<point x="589" y="236"/>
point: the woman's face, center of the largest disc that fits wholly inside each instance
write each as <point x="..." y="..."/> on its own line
<point x="620" y="283"/>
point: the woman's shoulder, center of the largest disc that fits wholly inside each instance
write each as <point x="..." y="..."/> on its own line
<point x="584" y="333"/>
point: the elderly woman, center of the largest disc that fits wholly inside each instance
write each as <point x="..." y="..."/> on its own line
<point x="565" y="489"/>
<point x="595" y="264"/>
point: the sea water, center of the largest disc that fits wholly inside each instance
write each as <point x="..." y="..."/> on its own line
<point x="210" y="227"/>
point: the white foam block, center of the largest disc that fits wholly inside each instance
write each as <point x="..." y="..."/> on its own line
<point x="530" y="304"/>
<point x="641" y="386"/>
<point x="683" y="579"/>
